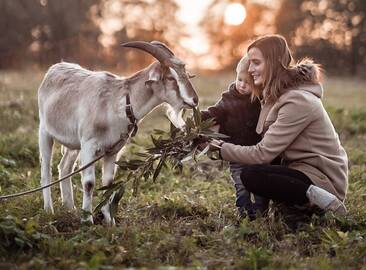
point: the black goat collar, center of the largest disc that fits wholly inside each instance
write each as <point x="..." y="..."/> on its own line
<point x="132" y="127"/>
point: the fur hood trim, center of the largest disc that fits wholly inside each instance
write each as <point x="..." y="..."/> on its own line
<point x="304" y="72"/>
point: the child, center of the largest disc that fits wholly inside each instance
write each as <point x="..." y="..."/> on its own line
<point x="236" y="115"/>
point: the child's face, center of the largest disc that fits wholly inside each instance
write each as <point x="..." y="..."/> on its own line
<point x="241" y="83"/>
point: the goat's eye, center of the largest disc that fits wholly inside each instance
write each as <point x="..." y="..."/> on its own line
<point x="170" y="78"/>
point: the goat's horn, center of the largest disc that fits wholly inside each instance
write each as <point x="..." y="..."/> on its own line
<point x="154" y="49"/>
<point x="163" y="46"/>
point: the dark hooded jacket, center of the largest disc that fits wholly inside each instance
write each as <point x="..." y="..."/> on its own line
<point x="237" y="116"/>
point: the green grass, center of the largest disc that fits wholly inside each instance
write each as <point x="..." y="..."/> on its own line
<point x="183" y="221"/>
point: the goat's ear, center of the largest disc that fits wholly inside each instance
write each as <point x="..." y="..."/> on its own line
<point x="154" y="76"/>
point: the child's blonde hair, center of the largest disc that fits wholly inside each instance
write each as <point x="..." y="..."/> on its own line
<point x="242" y="67"/>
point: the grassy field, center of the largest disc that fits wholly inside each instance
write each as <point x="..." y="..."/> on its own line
<point x="183" y="221"/>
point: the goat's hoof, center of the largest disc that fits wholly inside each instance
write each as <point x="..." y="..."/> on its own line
<point x="87" y="220"/>
<point x="86" y="217"/>
<point x="109" y="222"/>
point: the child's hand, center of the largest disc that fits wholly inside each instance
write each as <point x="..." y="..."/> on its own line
<point x="201" y="141"/>
<point x="214" y="149"/>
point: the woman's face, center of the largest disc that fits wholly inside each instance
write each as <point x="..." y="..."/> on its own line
<point x="256" y="66"/>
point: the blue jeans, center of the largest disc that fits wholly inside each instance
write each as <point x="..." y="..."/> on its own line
<point x="246" y="206"/>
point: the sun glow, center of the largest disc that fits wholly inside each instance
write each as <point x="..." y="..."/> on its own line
<point x="235" y="14"/>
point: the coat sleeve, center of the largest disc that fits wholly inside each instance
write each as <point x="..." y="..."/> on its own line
<point x="293" y="117"/>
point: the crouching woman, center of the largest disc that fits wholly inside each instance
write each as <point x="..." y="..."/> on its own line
<point x="294" y="125"/>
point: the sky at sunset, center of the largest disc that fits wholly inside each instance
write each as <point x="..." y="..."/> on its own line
<point x="191" y="13"/>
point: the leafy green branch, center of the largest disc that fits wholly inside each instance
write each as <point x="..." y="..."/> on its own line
<point x="170" y="148"/>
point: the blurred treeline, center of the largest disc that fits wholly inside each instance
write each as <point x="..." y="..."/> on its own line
<point x="42" y="32"/>
<point x="332" y="32"/>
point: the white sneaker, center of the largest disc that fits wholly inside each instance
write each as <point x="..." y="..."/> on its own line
<point x="326" y="200"/>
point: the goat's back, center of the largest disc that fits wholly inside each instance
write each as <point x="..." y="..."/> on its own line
<point x="74" y="101"/>
<point x="66" y="77"/>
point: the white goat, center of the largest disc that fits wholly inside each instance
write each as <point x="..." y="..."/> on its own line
<point x="88" y="111"/>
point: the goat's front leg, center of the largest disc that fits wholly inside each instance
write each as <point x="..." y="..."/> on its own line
<point x="45" y="150"/>
<point x="87" y="154"/>
<point x="109" y="169"/>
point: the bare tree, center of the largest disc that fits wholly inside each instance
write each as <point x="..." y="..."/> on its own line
<point x="332" y="31"/>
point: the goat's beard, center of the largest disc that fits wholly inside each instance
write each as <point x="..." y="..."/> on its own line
<point x="175" y="116"/>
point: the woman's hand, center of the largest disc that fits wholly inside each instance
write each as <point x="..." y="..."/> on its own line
<point x="215" y="144"/>
<point x="212" y="148"/>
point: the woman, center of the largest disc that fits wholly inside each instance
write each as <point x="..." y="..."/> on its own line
<point x="294" y="125"/>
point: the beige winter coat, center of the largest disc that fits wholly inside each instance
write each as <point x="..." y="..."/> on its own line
<point x="298" y="128"/>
